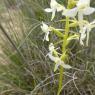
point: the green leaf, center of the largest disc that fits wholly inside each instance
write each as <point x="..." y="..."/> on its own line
<point x="57" y="32"/>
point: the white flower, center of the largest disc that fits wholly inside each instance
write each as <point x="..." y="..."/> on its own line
<point x="54" y="7"/>
<point x="56" y="59"/>
<point x="83" y="8"/>
<point x="82" y="35"/>
<point x="46" y="30"/>
<point x="51" y="47"/>
<point x="70" y="12"/>
<point x="86" y="30"/>
<point x="58" y="62"/>
<point x="89" y="27"/>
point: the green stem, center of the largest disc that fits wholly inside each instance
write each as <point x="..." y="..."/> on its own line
<point x="63" y="50"/>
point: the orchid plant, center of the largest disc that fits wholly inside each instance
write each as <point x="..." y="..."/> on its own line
<point x="74" y="13"/>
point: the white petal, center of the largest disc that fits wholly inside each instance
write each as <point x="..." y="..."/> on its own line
<point x="71" y="12"/>
<point x="51" y="57"/>
<point x="81" y="42"/>
<point x="56" y="67"/>
<point x="48" y="10"/>
<point x="87" y="40"/>
<point x="84" y="30"/>
<point x="80" y="15"/>
<point x="60" y="8"/>
<point x="80" y="2"/>
<point x="66" y="66"/>
<point x="53" y="4"/>
<point x="88" y="10"/>
<point x="83" y="35"/>
<point x="84" y="3"/>
<point x="51" y="47"/>
<point x="44" y="27"/>
<point x="53" y="14"/>
<point x="46" y="36"/>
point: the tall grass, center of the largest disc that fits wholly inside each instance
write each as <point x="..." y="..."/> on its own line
<point x="24" y="66"/>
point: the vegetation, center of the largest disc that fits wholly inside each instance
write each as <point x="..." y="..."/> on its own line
<point x="24" y="67"/>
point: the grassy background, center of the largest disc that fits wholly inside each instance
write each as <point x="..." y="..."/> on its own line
<point x="24" y="67"/>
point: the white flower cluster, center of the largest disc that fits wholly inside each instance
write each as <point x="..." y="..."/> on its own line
<point x="56" y="59"/>
<point x="77" y="13"/>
